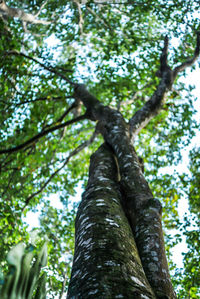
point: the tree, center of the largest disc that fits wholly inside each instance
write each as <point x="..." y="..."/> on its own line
<point x="51" y="124"/>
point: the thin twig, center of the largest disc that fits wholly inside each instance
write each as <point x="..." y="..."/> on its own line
<point x="42" y="99"/>
<point x="101" y="19"/>
<point x="62" y="116"/>
<point x="81" y="21"/>
<point x="42" y="134"/>
<point x="66" y="112"/>
<point x="63" y="285"/>
<point x="40" y="9"/>
<point x="73" y="153"/>
<point x="48" y="68"/>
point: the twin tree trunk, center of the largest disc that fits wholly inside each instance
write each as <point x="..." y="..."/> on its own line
<point x="119" y="246"/>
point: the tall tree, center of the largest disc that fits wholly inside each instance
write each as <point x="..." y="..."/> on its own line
<point x="51" y="124"/>
<point x="100" y="257"/>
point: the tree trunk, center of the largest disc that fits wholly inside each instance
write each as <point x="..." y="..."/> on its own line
<point x="106" y="260"/>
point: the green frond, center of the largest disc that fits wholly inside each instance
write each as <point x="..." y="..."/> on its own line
<point x="24" y="280"/>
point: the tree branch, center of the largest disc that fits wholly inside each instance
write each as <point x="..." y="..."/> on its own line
<point x="151" y="108"/>
<point x="136" y="95"/>
<point x="191" y="60"/>
<point x="60" y="119"/>
<point x="63" y="283"/>
<point x="73" y="153"/>
<point x="20" y="14"/>
<point x="48" y="68"/>
<point x="42" y="134"/>
<point x="66" y="112"/>
<point x="42" y="99"/>
<point x="98" y="18"/>
<point x="41" y="7"/>
<point x="81" y="21"/>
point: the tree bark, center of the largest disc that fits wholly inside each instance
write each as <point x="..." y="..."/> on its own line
<point x="106" y="260"/>
<point x="142" y="210"/>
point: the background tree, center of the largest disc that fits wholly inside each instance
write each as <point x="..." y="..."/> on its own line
<point x="47" y="136"/>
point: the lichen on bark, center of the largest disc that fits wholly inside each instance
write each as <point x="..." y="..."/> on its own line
<point x="106" y="260"/>
<point x="137" y="198"/>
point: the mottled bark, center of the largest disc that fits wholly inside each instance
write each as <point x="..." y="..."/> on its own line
<point x="142" y="210"/>
<point x="106" y="261"/>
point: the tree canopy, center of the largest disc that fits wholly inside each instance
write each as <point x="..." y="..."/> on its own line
<point x="47" y="137"/>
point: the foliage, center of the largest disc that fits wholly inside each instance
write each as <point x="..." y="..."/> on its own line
<point x="24" y="280"/>
<point x="114" y="49"/>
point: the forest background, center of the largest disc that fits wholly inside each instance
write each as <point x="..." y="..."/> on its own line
<point x="113" y="48"/>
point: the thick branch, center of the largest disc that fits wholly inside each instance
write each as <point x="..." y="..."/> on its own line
<point x="113" y="127"/>
<point x="151" y="108"/>
<point x="20" y="14"/>
<point x="41" y="134"/>
<point x="141" y="118"/>
<point x="191" y="60"/>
